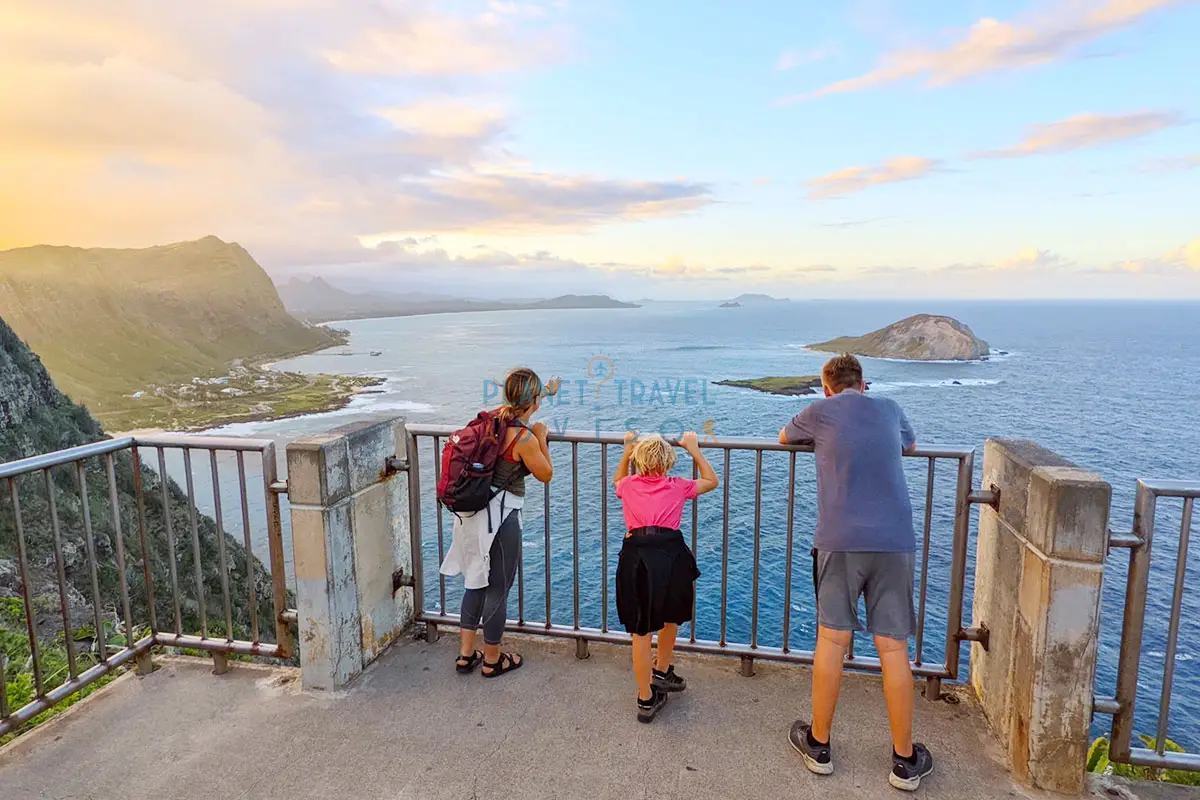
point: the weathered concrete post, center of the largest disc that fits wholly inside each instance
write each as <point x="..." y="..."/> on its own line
<point x="1040" y="565"/>
<point x="349" y="535"/>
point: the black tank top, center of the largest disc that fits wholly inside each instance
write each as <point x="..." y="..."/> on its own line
<point x="510" y="475"/>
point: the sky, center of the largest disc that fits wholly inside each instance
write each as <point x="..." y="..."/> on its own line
<point x="665" y="149"/>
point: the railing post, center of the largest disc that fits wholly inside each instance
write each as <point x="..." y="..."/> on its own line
<point x="350" y="535"/>
<point x="1039" y="570"/>
<point x="1133" y="623"/>
<point x="283" y="631"/>
<point x="958" y="560"/>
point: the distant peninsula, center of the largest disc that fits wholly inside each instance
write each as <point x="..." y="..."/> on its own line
<point x="730" y="304"/>
<point x="790" y="386"/>
<point x="317" y="301"/>
<point x="922" y="337"/>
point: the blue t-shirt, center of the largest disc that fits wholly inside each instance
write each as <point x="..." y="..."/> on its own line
<point x="862" y="498"/>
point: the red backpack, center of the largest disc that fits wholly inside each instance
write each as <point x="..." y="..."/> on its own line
<point x="468" y="461"/>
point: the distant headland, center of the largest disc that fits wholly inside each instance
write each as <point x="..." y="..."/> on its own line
<point x="317" y="301"/>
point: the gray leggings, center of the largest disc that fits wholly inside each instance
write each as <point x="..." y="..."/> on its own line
<point x="491" y="604"/>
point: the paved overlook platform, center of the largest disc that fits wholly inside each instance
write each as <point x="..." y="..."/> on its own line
<point x="410" y="727"/>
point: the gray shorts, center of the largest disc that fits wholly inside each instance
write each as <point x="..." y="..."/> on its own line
<point x="884" y="579"/>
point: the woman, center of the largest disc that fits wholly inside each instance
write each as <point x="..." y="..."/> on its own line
<point x="486" y="545"/>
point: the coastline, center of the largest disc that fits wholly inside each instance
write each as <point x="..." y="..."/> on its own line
<point x="286" y="395"/>
<point x="217" y="420"/>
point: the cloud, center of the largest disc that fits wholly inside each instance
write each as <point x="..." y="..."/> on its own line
<point x="991" y="45"/>
<point x="852" y="223"/>
<point x="856" y="179"/>
<point x="1176" y="164"/>
<point x="445" y="116"/>
<point x="1030" y="261"/>
<point x="1087" y="130"/>
<point x="790" y="59"/>
<point x="439" y="44"/>
<point x="127" y="125"/>
<point x="1182" y="260"/>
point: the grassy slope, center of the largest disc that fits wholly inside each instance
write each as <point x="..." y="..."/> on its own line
<point x="110" y="322"/>
<point x="36" y="418"/>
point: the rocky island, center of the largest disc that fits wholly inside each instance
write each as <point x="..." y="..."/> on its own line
<point x="790" y="386"/>
<point x="730" y="304"/>
<point x="922" y="337"/>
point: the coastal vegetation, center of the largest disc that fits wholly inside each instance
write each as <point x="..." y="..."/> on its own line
<point x="36" y="418"/>
<point x="791" y="386"/>
<point x="1099" y="763"/>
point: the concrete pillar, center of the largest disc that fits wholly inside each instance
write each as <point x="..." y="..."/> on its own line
<point x="349" y="534"/>
<point x="1039" y="570"/>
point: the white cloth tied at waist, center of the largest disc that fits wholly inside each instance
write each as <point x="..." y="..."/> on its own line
<point x="471" y="540"/>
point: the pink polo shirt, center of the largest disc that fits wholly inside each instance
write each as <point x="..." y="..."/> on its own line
<point x="654" y="500"/>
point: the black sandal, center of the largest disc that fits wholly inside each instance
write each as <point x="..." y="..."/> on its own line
<point x="507" y="663"/>
<point x="467" y="664"/>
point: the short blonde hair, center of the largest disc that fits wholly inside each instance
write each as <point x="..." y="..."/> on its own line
<point x="652" y="455"/>
<point x="842" y="372"/>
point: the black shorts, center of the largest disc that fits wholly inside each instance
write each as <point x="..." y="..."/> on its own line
<point x="656" y="581"/>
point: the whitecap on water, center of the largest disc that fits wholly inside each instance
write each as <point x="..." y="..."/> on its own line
<point x="884" y="386"/>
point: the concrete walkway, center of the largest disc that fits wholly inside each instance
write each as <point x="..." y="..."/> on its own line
<point x="413" y="728"/>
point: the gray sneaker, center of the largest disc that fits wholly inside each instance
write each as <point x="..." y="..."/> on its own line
<point x="648" y="709"/>
<point x="906" y="775"/>
<point x="819" y="760"/>
<point x="668" y="681"/>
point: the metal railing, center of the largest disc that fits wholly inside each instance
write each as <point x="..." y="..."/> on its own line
<point x="528" y="621"/>
<point x="1122" y="707"/>
<point x="123" y="472"/>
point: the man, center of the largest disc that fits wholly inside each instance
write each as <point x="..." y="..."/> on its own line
<point x="864" y="546"/>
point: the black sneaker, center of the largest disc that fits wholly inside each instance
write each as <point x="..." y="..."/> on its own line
<point x="668" y="681"/>
<point x="906" y="775"/>
<point x="648" y="708"/>
<point x="819" y="759"/>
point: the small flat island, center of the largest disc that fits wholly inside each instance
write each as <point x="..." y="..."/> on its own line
<point x="922" y="337"/>
<point x="789" y="386"/>
<point x="730" y="304"/>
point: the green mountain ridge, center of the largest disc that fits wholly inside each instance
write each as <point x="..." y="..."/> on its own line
<point x="36" y="418"/>
<point x="109" y="322"/>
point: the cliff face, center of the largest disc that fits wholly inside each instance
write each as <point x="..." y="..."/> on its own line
<point x="36" y="418"/>
<point x="923" y="337"/>
<point x="110" y="322"/>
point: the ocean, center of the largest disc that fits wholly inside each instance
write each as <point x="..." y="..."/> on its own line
<point x="1111" y="386"/>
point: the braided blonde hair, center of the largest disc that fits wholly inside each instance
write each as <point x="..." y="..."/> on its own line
<point x="653" y="456"/>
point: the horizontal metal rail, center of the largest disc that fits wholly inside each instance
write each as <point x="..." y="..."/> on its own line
<point x="124" y="530"/>
<point x="1123" y="705"/>
<point x="555" y="575"/>
<point x="723" y="443"/>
